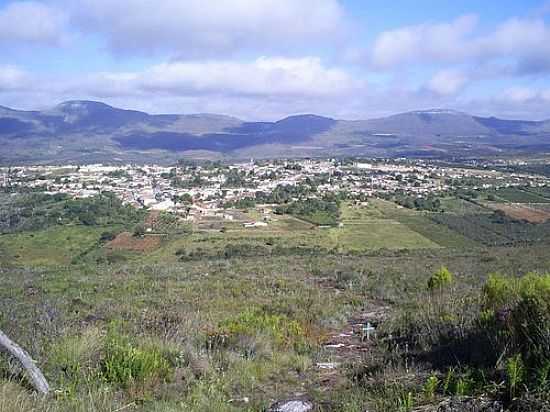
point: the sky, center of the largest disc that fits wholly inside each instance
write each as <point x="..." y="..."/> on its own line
<point x="267" y="59"/>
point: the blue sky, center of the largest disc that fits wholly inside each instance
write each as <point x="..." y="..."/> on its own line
<point x="265" y="59"/>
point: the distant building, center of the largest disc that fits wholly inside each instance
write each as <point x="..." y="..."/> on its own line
<point x="254" y="224"/>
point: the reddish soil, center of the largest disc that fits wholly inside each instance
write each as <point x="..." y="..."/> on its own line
<point x="152" y="218"/>
<point x="521" y="211"/>
<point x="127" y="242"/>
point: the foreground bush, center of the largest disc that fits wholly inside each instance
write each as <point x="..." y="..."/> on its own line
<point x="126" y="363"/>
<point x="519" y="310"/>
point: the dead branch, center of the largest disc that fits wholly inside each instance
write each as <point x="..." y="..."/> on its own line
<point x="33" y="372"/>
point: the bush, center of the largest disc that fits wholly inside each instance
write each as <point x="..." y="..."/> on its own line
<point x="125" y="363"/>
<point x="517" y="311"/>
<point x="316" y="211"/>
<point x="284" y="331"/>
<point x="430" y="387"/>
<point x="440" y="279"/>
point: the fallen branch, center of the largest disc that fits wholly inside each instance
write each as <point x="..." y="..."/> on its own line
<point x="33" y="372"/>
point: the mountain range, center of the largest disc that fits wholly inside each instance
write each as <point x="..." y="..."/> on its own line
<point x="87" y="131"/>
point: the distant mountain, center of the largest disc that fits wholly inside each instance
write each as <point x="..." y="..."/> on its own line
<point x="79" y="115"/>
<point x="87" y="131"/>
<point x="429" y="123"/>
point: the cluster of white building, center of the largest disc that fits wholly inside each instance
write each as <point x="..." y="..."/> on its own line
<point x="202" y="190"/>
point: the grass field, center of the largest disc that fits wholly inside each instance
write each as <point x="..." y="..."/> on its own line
<point x="364" y="229"/>
<point x="380" y="225"/>
<point x="369" y="228"/>
<point x="461" y="206"/>
<point x="517" y="195"/>
<point x="541" y="191"/>
<point x="57" y="245"/>
<point x="377" y="226"/>
<point x="421" y="222"/>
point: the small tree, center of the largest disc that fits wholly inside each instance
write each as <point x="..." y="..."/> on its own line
<point x="440" y="279"/>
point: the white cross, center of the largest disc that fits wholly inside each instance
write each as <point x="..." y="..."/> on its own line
<point x="367" y="329"/>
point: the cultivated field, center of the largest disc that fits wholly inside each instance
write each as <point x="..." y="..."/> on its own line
<point x="530" y="212"/>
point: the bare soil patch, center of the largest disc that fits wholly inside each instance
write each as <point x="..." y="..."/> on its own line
<point x="126" y="241"/>
<point x="522" y="211"/>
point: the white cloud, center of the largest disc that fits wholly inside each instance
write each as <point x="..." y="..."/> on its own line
<point x="447" y="82"/>
<point x="265" y="87"/>
<point x="441" y="42"/>
<point x="12" y="78"/>
<point x="31" y="22"/>
<point x="520" y="95"/>
<point x="265" y="76"/>
<point x="156" y="90"/>
<point x="523" y="41"/>
<point x="193" y="28"/>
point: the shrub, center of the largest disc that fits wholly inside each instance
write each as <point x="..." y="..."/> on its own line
<point x="284" y="331"/>
<point x="517" y="311"/>
<point x="440" y="279"/>
<point x="125" y="363"/>
<point x="543" y="377"/>
<point x="430" y="387"/>
<point x="498" y="291"/>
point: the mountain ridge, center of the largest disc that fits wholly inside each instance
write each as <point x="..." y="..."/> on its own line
<point x="86" y="130"/>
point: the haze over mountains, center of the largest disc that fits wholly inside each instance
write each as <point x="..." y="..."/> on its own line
<point x="87" y="131"/>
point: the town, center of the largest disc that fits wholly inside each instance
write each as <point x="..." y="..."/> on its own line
<point x="208" y="190"/>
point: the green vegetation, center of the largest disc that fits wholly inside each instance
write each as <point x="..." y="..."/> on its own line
<point x="230" y="320"/>
<point x="495" y="229"/>
<point x="517" y="195"/>
<point x="430" y="203"/>
<point x="52" y="246"/>
<point x="125" y="364"/>
<point x="317" y="211"/>
<point x="279" y="327"/>
<point x="29" y="212"/>
<point x="440" y="279"/>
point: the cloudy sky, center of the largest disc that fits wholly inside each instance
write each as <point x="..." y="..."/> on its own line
<point x="265" y="59"/>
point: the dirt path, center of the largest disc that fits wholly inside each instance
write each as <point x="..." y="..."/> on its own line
<point x="349" y="344"/>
